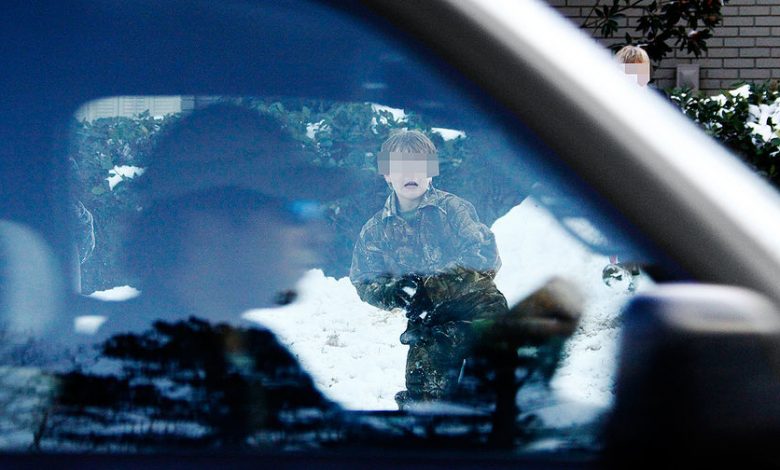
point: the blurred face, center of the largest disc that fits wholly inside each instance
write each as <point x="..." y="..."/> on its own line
<point x="226" y="268"/>
<point x="409" y="180"/>
<point x="268" y="258"/>
<point x="639" y="73"/>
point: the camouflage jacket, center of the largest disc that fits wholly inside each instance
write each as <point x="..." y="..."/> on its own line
<point x="445" y="243"/>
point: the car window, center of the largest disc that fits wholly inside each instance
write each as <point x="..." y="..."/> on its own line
<point x="316" y="267"/>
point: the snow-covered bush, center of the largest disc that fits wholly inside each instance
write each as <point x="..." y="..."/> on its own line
<point x="746" y="119"/>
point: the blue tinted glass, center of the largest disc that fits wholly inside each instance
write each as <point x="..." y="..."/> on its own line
<point x="251" y="280"/>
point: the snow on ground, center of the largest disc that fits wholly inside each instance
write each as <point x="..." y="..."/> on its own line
<point x="534" y="247"/>
<point x="350" y="348"/>
<point x="353" y="351"/>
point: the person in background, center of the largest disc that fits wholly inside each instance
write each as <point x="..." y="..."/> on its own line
<point x="635" y="63"/>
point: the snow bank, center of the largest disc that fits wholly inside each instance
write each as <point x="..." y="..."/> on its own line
<point x="534" y="247"/>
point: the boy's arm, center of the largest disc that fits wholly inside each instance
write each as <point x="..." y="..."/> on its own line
<point x="475" y="244"/>
<point x="369" y="275"/>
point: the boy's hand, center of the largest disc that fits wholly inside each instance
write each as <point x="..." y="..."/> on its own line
<point x="410" y="294"/>
<point x="404" y="291"/>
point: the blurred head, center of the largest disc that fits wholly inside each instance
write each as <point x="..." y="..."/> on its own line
<point x="632" y="55"/>
<point x="408" y="161"/>
<point x="635" y="63"/>
<point x="227" y="145"/>
<point x="232" y="213"/>
<point x="224" y="250"/>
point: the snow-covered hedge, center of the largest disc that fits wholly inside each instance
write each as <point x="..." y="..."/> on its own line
<point x="746" y="119"/>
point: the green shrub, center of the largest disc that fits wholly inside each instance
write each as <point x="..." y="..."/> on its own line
<point x="659" y="26"/>
<point x="97" y="147"/>
<point x="746" y="119"/>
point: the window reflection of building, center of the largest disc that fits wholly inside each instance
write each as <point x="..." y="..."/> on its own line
<point x="129" y="106"/>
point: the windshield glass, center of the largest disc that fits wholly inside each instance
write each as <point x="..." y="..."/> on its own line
<point x="299" y="270"/>
<point x="189" y="249"/>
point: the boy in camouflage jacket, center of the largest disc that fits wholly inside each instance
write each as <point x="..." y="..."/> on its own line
<point x="427" y="253"/>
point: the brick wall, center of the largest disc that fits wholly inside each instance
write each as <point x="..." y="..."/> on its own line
<point x="746" y="46"/>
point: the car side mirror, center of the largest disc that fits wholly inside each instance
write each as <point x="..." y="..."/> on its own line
<point x="698" y="377"/>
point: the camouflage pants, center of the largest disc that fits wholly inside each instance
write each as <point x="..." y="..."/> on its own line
<point x="436" y="356"/>
<point x="434" y="362"/>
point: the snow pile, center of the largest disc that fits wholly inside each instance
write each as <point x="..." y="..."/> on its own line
<point x="534" y="247"/>
<point x="352" y="349"/>
<point x="763" y="119"/>
<point x="741" y="92"/>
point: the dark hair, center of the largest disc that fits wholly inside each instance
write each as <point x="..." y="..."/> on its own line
<point x="408" y="141"/>
<point x="221" y="146"/>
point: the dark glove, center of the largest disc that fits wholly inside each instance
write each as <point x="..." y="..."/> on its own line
<point x="404" y="290"/>
<point x="413" y="297"/>
<point x="410" y="294"/>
